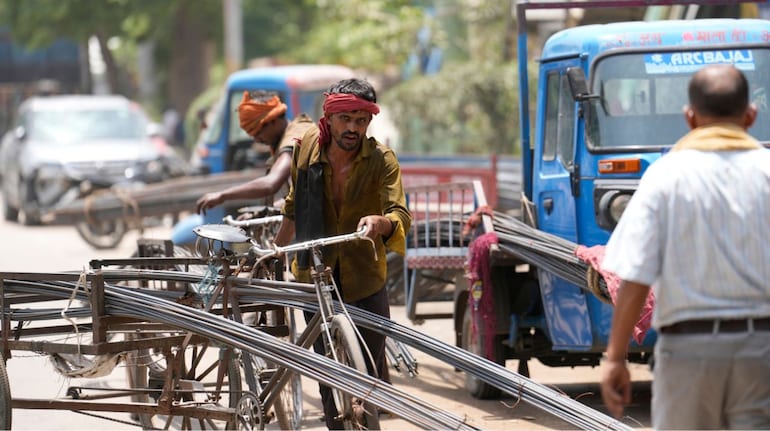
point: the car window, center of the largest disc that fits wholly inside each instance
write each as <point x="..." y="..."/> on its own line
<point x="93" y="124"/>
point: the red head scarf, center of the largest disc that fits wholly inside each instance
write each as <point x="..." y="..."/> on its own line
<point x="254" y="115"/>
<point x="342" y="102"/>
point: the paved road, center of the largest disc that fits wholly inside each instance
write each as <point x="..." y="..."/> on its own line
<point x="39" y="249"/>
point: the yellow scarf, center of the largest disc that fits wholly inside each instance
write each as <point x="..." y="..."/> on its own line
<point x="717" y="137"/>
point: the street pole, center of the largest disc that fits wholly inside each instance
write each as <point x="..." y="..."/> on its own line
<point x="233" y="29"/>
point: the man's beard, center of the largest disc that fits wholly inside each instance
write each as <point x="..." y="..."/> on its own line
<point x="347" y="144"/>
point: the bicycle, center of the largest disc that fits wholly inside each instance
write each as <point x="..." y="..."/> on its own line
<point x="341" y="338"/>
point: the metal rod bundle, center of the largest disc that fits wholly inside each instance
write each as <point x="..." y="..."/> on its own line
<point x="147" y="304"/>
<point x="125" y="302"/>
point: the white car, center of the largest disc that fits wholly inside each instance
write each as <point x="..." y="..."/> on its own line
<point x="61" y="148"/>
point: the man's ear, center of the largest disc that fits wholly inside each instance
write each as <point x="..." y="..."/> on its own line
<point x="750" y="116"/>
<point x="689" y="117"/>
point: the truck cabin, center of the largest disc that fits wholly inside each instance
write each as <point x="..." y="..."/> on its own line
<point x="610" y="103"/>
<point x="225" y="146"/>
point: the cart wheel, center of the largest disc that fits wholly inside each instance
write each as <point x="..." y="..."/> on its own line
<point x="199" y="382"/>
<point x="474" y="343"/>
<point x="104" y="234"/>
<point x="356" y="413"/>
<point x="5" y="397"/>
<point x="249" y="414"/>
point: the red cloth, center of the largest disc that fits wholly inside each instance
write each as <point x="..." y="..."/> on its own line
<point x="475" y="219"/>
<point x="482" y="309"/>
<point x="342" y="102"/>
<point x="594" y="257"/>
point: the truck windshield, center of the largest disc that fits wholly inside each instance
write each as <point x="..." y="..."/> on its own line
<point x="642" y="96"/>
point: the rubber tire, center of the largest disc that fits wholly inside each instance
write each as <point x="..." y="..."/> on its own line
<point x="103" y="241"/>
<point x="473" y="343"/>
<point x="9" y="212"/>
<point x="288" y="407"/>
<point x="349" y="353"/>
<point x="5" y="397"/>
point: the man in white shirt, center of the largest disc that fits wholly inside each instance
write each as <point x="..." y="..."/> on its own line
<point x="698" y="230"/>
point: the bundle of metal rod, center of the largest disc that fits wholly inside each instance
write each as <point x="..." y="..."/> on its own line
<point x="543" y="250"/>
<point x="168" y="197"/>
<point x="522" y="241"/>
<point x="527" y="390"/>
<point x="125" y="302"/>
<point x="539" y="396"/>
<point x="297" y="295"/>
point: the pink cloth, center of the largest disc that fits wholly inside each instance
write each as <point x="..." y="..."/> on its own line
<point x="479" y="272"/>
<point x="594" y="257"/>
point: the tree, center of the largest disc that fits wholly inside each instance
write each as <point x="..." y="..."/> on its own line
<point x="181" y="30"/>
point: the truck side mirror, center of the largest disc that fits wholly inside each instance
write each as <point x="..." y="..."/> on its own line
<point x="578" y="85"/>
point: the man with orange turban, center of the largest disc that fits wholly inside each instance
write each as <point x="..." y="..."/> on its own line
<point x="263" y="116"/>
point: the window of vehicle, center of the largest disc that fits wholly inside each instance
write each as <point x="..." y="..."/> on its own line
<point x="559" y="120"/>
<point x="566" y="139"/>
<point x="642" y="95"/>
<point x="551" y="116"/>
<point x="72" y="126"/>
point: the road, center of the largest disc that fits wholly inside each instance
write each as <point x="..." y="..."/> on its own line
<point x="48" y="249"/>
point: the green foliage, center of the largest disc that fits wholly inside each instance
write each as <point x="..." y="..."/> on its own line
<point x="467" y="108"/>
<point x="363" y="34"/>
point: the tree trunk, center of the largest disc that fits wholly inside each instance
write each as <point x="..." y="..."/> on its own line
<point x="111" y="68"/>
<point x="191" y="58"/>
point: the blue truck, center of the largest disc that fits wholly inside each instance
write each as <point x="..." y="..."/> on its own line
<point x="224" y="146"/>
<point x="610" y="101"/>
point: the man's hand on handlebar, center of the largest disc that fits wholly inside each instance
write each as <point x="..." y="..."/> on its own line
<point x="376" y="225"/>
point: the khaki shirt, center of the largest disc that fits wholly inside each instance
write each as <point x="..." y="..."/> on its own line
<point x="294" y="131"/>
<point x="373" y="188"/>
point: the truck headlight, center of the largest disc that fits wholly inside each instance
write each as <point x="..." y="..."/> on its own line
<point x="611" y="199"/>
<point x="617" y="204"/>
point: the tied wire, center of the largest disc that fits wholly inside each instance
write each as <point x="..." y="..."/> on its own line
<point x="82" y="282"/>
<point x="205" y="289"/>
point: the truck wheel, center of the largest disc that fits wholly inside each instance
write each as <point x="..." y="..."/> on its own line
<point x="474" y="343"/>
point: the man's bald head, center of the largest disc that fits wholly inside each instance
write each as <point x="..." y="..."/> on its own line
<point x="719" y="91"/>
<point x="719" y="94"/>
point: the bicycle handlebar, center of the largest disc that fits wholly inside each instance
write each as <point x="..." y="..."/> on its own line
<point x="252" y="222"/>
<point x="313" y="243"/>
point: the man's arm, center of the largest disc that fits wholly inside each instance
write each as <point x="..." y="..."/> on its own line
<point x="397" y="217"/>
<point x="254" y="189"/>
<point x="616" y="380"/>
<point x="285" y="232"/>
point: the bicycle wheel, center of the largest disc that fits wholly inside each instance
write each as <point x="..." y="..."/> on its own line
<point x="357" y="414"/>
<point x="199" y="382"/>
<point x="281" y="321"/>
<point x="288" y="407"/>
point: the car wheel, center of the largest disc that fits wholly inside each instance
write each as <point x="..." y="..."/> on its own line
<point x="29" y="207"/>
<point x="9" y="212"/>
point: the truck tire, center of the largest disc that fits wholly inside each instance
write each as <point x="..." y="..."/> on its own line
<point x="474" y="344"/>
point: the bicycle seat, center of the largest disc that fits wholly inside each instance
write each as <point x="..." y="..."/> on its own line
<point x="222" y="232"/>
